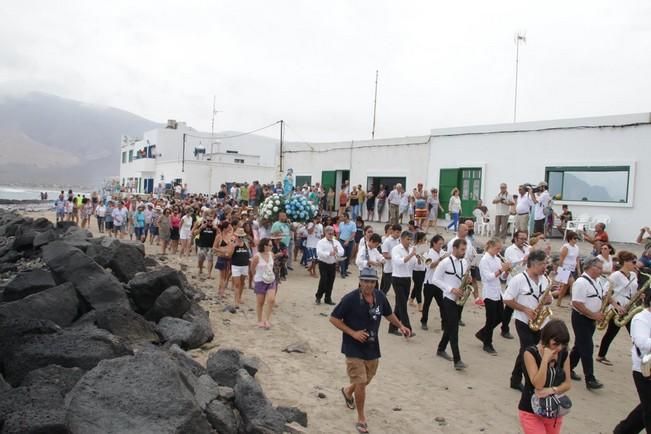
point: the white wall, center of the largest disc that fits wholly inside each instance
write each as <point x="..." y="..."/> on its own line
<point x="518" y="157"/>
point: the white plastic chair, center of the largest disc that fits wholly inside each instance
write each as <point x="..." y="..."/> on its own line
<point x="601" y="218"/>
<point x="577" y="225"/>
<point x="482" y="227"/>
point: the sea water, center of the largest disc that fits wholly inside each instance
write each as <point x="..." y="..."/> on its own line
<point x="26" y="193"/>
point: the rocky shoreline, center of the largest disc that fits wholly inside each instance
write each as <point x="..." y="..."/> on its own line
<point x="94" y="336"/>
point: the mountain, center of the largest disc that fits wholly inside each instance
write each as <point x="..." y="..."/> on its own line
<point x="46" y="139"/>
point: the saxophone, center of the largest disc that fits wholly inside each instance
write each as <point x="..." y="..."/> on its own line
<point x="466" y="287"/>
<point x="542" y="311"/>
<point x="634" y="306"/>
<point x="605" y="304"/>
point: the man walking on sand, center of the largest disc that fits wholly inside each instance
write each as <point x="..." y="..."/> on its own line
<point x="358" y="316"/>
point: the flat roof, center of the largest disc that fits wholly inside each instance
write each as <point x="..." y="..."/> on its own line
<point x="599" y="121"/>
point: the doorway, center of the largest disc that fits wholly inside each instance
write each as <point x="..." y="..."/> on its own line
<point x="468" y="181"/>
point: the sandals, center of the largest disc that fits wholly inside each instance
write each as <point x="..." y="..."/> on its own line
<point x="350" y="402"/>
<point x="361" y="427"/>
<point x="604" y="361"/>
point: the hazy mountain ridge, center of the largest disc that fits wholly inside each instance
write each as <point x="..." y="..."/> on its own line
<point x="46" y="139"/>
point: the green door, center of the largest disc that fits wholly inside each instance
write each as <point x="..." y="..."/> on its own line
<point x="448" y="179"/>
<point x="328" y="179"/>
<point x="470" y="188"/>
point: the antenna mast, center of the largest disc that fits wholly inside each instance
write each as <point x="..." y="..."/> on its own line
<point x="374" y="105"/>
<point x="518" y="37"/>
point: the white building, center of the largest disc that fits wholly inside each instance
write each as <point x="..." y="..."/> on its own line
<point x="180" y="154"/>
<point x="597" y="166"/>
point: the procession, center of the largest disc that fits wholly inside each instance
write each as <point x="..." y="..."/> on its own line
<point x="254" y="237"/>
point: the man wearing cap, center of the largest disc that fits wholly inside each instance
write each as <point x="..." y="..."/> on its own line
<point x="540" y="210"/>
<point x="358" y="316"/>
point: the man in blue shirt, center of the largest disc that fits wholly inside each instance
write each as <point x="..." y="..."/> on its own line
<point x="347" y="230"/>
<point x="358" y="316"/>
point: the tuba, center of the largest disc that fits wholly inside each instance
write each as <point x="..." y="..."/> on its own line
<point x="466" y="286"/>
<point x="605" y="304"/>
<point x="542" y="311"/>
<point x="634" y="306"/>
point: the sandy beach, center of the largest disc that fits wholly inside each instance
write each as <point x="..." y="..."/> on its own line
<point x="413" y="388"/>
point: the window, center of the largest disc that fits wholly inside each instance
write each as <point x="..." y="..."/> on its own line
<point x="303" y="180"/>
<point x="589" y="184"/>
<point x="130" y="156"/>
<point x="124" y="157"/>
<point x="239" y="160"/>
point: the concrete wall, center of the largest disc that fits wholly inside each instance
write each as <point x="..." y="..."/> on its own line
<point x="516" y="157"/>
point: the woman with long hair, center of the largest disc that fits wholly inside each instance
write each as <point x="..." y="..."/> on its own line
<point x="569" y="261"/>
<point x="454" y="209"/>
<point x="252" y="242"/>
<point x="606" y="252"/>
<point x="185" y="232"/>
<point x="223" y="248"/>
<point x="164" y="228"/>
<point x="240" y="261"/>
<point x="546" y="373"/>
<point x="265" y="293"/>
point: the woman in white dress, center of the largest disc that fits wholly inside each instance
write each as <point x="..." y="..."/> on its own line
<point x="185" y="232"/>
<point x="569" y="261"/>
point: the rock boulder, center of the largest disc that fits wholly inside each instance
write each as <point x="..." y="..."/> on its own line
<point x="59" y="305"/>
<point x="27" y="283"/>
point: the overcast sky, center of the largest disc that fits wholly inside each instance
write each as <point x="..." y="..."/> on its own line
<point x="312" y="63"/>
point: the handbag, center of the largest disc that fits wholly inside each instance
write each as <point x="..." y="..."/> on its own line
<point x="552" y="406"/>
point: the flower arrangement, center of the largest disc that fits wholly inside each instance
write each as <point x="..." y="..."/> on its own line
<point x="299" y="209"/>
<point x="272" y="206"/>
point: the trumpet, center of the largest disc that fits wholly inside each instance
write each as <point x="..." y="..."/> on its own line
<point x="515" y="269"/>
<point x="635" y="306"/>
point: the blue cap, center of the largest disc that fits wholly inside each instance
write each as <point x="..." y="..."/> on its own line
<point x="368" y="273"/>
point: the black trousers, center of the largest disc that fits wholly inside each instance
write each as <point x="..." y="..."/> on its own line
<point x="417" y="292"/>
<point x="450" y="312"/>
<point x="494" y="311"/>
<point x="609" y="336"/>
<point x="506" y="319"/>
<point x="527" y="338"/>
<point x="432" y="292"/>
<point x="584" y="328"/>
<point x="385" y="284"/>
<point x="327" y="273"/>
<point x="401" y="287"/>
<point x="640" y="417"/>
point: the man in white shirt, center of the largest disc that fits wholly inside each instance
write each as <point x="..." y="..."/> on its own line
<point x="403" y="260"/>
<point x="587" y="297"/>
<point x="516" y="254"/>
<point x="490" y="269"/>
<point x="430" y="290"/>
<point x="464" y="234"/>
<point x="394" y="199"/>
<point x="541" y="203"/>
<point x="387" y="246"/>
<point x="328" y="249"/>
<point x="368" y="254"/>
<point x="448" y="276"/>
<point x="523" y="294"/>
<point x="502" y="203"/>
<point x="314" y="234"/>
<point x="523" y="207"/>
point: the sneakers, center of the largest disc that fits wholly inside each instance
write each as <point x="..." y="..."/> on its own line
<point x="507" y="335"/>
<point x="460" y="366"/>
<point x="423" y="326"/>
<point x="329" y="302"/>
<point x="444" y="355"/>
<point x="574" y="376"/>
<point x="461" y="323"/>
<point x="317" y="301"/>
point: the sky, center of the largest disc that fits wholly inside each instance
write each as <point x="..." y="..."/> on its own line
<point x="313" y="63"/>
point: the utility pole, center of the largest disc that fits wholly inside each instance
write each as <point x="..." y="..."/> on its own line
<point x="282" y="128"/>
<point x="374" y="105"/>
<point x="518" y="37"/>
<point x="183" y="157"/>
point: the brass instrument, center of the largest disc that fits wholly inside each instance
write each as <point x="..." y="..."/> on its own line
<point x="466" y="287"/>
<point x="605" y="303"/>
<point x="635" y="306"/>
<point x="421" y="250"/>
<point x="542" y="311"/>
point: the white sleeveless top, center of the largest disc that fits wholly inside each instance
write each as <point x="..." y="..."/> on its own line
<point x="570" y="260"/>
<point x="262" y="264"/>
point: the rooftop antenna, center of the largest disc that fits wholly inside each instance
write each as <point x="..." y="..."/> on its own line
<point x="374" y="105"/>
<point x="212" y="124"/>
<point x="519" y="37"/>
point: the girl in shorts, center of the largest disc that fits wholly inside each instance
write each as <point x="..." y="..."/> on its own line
<point x="223" y="248"/>
<point x="240" y="260"/>
<point x="265" y="293"/>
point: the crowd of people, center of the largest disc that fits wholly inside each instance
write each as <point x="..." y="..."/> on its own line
<point x="516" y="284"/>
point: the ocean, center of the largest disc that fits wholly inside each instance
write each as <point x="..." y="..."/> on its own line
<point x="26" y="193"/>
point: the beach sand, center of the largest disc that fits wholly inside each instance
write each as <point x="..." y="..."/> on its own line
<point x="412" y="387"/>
